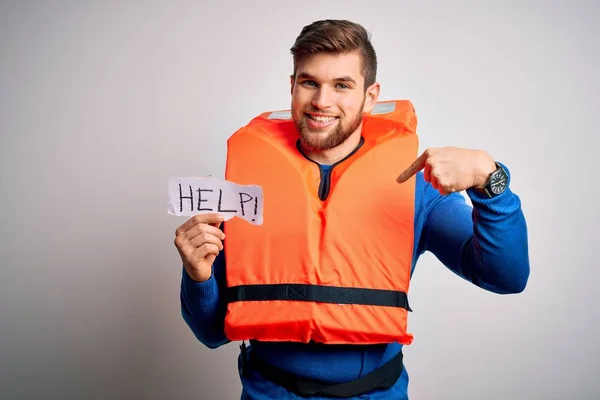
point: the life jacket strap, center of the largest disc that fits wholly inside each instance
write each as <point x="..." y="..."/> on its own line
<point x="319" y="294"/>
<point x="383" y="378"/>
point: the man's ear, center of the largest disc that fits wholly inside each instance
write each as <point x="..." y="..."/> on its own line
<point x="371" y="97"/>
<point x="292" y="80"/>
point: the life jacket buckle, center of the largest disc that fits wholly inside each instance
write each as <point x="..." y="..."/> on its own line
<point x="243" y="358"/>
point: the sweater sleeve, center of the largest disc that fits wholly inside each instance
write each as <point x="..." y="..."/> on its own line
<point x="485" y="244"/>
<point x="202" y="305"/>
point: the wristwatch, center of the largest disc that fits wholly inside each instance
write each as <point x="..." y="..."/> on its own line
<point x="497" y="182"/>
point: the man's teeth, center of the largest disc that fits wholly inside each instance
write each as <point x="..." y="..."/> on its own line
<point x="321" y="119"/>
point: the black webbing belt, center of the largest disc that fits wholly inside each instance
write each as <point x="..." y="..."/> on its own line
<point x="317" y="293"/>
<point x="383" y="377"/>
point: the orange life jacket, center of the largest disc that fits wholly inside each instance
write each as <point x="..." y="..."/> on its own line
<point x="330" y="263"/>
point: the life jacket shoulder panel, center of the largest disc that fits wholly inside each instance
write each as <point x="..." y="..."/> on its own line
<point x="332" y="264"/>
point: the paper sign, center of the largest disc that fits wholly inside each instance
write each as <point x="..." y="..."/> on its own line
<point x="202" y="195"/>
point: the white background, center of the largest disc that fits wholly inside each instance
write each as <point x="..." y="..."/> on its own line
<point x="101" y="102"/>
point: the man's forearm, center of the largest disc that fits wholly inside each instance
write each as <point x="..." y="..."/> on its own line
<point x="497" y="256"/>
<point x="486" y="245"/>
<point x="203" y="310"/>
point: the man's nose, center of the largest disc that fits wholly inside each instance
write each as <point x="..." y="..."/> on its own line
<point x="322" y="98"/>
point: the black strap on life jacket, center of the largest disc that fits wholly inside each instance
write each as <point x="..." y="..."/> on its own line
<point x="318" y="293"/>
<point x="383" y="377"/>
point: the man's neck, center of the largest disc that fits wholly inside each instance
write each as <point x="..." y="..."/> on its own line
<point x="333" y="155"/>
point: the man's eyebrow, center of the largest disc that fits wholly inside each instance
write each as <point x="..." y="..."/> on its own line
<point x="345" y="79"/>
<point x="305" y="75"/>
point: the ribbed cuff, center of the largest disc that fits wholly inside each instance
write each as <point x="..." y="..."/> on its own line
<point x="201" y="293"/>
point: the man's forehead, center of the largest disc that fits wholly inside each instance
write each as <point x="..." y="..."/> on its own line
<point x="325" y="66"/>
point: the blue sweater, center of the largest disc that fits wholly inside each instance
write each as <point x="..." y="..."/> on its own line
<point x="486" y="245"/>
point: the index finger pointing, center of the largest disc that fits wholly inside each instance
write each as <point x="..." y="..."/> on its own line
<point x="415" y="167"/>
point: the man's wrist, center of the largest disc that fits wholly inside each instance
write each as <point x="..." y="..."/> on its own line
<point x="485" y="171"/>
<point x="497" y="183"/>
<point x="197" y="276"/>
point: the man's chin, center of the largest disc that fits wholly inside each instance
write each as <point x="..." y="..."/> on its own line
<point x="318" y="142"/>
<point x="310" y="135"/>
<point x="312" y="143"/>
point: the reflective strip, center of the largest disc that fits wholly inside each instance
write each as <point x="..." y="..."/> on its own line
<point x="383" y="108"/>
<point x="280" y="115"/>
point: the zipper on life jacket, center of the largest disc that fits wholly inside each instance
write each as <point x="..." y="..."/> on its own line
<point x="325" y="177"/>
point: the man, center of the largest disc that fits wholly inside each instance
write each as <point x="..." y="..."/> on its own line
<point x="333" y="86"/>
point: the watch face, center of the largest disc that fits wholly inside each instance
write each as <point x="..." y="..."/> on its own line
<point x="498" y="182"/>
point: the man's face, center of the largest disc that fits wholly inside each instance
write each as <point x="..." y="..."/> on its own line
<point x="328" y="99"/>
